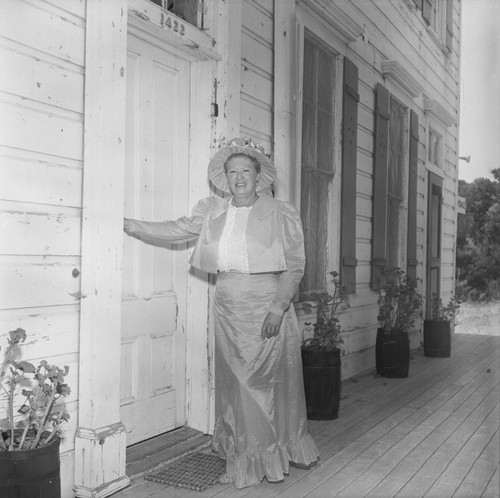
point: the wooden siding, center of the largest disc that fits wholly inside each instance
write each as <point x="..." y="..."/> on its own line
<point x="395" y="30"/>
<point x="41" y="144"/>
<point x="41" y="157"/>
<point x="434" y="434"/>
<point x="257" y="60"/>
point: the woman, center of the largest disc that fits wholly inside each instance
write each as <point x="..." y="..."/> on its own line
<point x="255" y="245"/>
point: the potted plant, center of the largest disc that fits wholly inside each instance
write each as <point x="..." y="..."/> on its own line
<point x="29" y="442"/>
<point x="398" y="303"/>
<point x="437" y="328"/>
<point x="321" y="354"/>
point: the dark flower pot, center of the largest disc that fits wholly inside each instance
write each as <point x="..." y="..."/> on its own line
<point x="392" y="353"/>
<point x="321" y="383"/>
<point x="31" y="473"/>
<point x="437" y="338"/>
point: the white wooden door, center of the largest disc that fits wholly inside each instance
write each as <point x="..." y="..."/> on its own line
<point x="154" y="279"/>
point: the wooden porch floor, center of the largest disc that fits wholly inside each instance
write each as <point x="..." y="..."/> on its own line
<point x="434" y="434"/>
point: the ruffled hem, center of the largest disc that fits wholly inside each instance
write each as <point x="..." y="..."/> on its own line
<point x="272" y="463"/>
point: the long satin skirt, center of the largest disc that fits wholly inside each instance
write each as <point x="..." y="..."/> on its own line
<point x="261" y="421"/>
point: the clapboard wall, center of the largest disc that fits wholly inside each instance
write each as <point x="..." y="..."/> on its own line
<point x="257" y="62"/>
<point x="394" y="30"/>
<point x="41" y="147"/>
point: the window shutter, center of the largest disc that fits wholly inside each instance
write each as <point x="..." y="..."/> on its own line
<point x="418" y="4"/>
<point x="380" y="185"/>
<point x="426" y="11"/>
<point x="349" y="155"/>
<point x="411" y="255"/>
<point x="449" y="25"/>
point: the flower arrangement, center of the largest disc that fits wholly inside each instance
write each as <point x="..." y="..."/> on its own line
<point x="442" y="313"/>
<point x="398" y="301"/>
<point x="42" y="387"/>
<point x="242" y="142"/>
<point x="326" y="331"/>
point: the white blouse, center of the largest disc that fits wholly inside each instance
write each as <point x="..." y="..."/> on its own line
<point x="233" y="255"/>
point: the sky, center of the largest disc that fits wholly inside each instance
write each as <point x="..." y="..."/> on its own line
<point x="480" y="89"/>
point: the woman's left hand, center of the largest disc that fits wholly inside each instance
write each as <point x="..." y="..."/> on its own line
<point x="271" y="326"/>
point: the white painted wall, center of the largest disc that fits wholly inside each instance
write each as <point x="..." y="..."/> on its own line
<point x="41" y="156"/>
<point x="41" y="162"/>
<point x="257" y="71"/>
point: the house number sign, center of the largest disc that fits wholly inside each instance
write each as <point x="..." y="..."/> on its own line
<point x="172" y="24"/>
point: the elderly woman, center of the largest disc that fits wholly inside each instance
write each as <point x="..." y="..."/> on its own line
<point x="254" y="244"/>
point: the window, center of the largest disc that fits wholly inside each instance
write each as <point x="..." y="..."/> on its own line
<point x="438" y="14"/>
<point x="396" y="172"/>
<point x="317" y="158"/>
<point x="436" y="17"/>
<point x="434" y="145"/>
<point x="189" y="10"/>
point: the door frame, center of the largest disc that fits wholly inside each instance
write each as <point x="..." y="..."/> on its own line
<point x="435" y="187"/>
<point x="198" y="392"/>
<point x="100" y="439"/>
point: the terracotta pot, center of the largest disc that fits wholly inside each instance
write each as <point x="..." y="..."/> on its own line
<point x="321" y="383"/>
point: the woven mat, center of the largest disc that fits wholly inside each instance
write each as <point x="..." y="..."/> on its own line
<point x="197" y="471"/>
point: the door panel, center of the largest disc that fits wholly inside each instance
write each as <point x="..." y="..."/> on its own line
<point x="154" y="279"/>
<point x="434" y="212"/>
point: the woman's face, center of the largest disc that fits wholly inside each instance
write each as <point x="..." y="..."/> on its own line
<point x="242" y="176"/>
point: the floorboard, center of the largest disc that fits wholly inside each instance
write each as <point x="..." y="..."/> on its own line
<point x="434" y="434"/>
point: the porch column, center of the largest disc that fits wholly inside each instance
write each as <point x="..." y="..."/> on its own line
<point x="100" y="439"/>
<point x="285" y="71"/>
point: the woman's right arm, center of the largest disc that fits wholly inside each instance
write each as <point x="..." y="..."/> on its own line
<point x="165" y="233"/>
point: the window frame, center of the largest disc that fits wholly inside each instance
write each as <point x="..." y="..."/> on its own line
<point x="402" y="234"/>
<point x="380" y="256"/>
<point x="433" y="126"/>
<point x="437" y="22"/>
<point x="432" y="132"/>
<point x="306" y="21"/>
<point x="200" y="15"/>
<point x="442" y="30"/>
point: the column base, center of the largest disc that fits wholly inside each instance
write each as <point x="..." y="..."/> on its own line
<point x="100" y="458"/>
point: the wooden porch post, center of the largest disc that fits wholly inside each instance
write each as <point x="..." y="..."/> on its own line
<point x="100" y="439"/>
<point x="285" y="71"/>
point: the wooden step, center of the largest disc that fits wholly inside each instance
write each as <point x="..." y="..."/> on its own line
<point x="156" y="452"/>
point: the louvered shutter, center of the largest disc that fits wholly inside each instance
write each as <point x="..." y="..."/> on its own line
<point x="349" y="155"/>
<point x="411" y="254"/>
<point x="449" y="25"/>
<point x="418" y="4"/>
<point x="379" y="226"/>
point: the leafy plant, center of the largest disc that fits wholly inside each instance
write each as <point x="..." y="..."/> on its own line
<point x="326" y="331"/>
<point x="442" y="313"/>
<point x="478" y="240"/>
<point x="398" y="300"/>
<point x="41" y="387"/>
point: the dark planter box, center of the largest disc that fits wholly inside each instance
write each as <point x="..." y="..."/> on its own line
<point x="392" y="353"/>
<point x="321" y="383"/>
<point x="437" y="338"/>
<point x="31" y="473"/>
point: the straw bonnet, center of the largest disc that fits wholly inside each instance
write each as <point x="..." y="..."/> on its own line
<point x="217" y="174"/>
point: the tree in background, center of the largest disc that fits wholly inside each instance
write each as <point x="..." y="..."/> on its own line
<point x="478" y="240"/>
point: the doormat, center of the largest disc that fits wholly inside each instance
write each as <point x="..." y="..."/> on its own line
<point x="196" y="471"/>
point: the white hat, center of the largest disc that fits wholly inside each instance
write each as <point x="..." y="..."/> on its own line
<point x="217" y="174"/>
